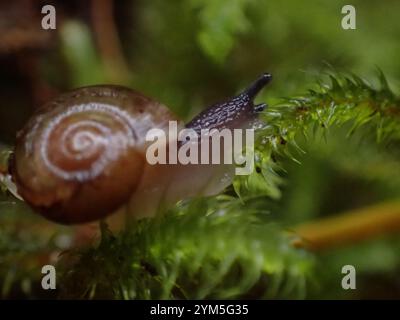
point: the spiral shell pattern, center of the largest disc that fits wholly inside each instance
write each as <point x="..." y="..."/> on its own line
<point x="78" y="144"/>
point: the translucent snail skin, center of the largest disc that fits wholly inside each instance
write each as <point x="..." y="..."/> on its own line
<point x="81" y="157"/>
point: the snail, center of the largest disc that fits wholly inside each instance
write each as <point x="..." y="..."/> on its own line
<point x="81" y="157"/>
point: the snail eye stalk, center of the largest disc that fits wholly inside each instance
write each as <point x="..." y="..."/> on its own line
<point x="257" y="85"/>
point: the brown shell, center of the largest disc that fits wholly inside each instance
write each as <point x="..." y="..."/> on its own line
<point x="81" y="156"/>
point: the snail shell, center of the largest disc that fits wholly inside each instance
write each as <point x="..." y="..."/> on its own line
<point x="82" y="156"/>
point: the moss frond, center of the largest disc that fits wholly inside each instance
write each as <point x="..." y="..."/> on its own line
<point x="347" y="100"/>
<point x="205" y="248"/>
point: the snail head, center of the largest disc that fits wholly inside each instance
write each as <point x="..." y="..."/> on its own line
<point x="238" y="112"/>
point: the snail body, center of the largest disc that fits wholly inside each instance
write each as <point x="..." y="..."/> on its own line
<point x="82" y="156"/>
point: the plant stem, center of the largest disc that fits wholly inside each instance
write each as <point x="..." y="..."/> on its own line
<point x="349" y="227"/>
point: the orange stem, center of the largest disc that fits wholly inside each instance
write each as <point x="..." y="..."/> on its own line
<point x="350" y="227"/>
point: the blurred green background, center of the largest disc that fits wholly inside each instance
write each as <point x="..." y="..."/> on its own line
<point x="191" y="53"/>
